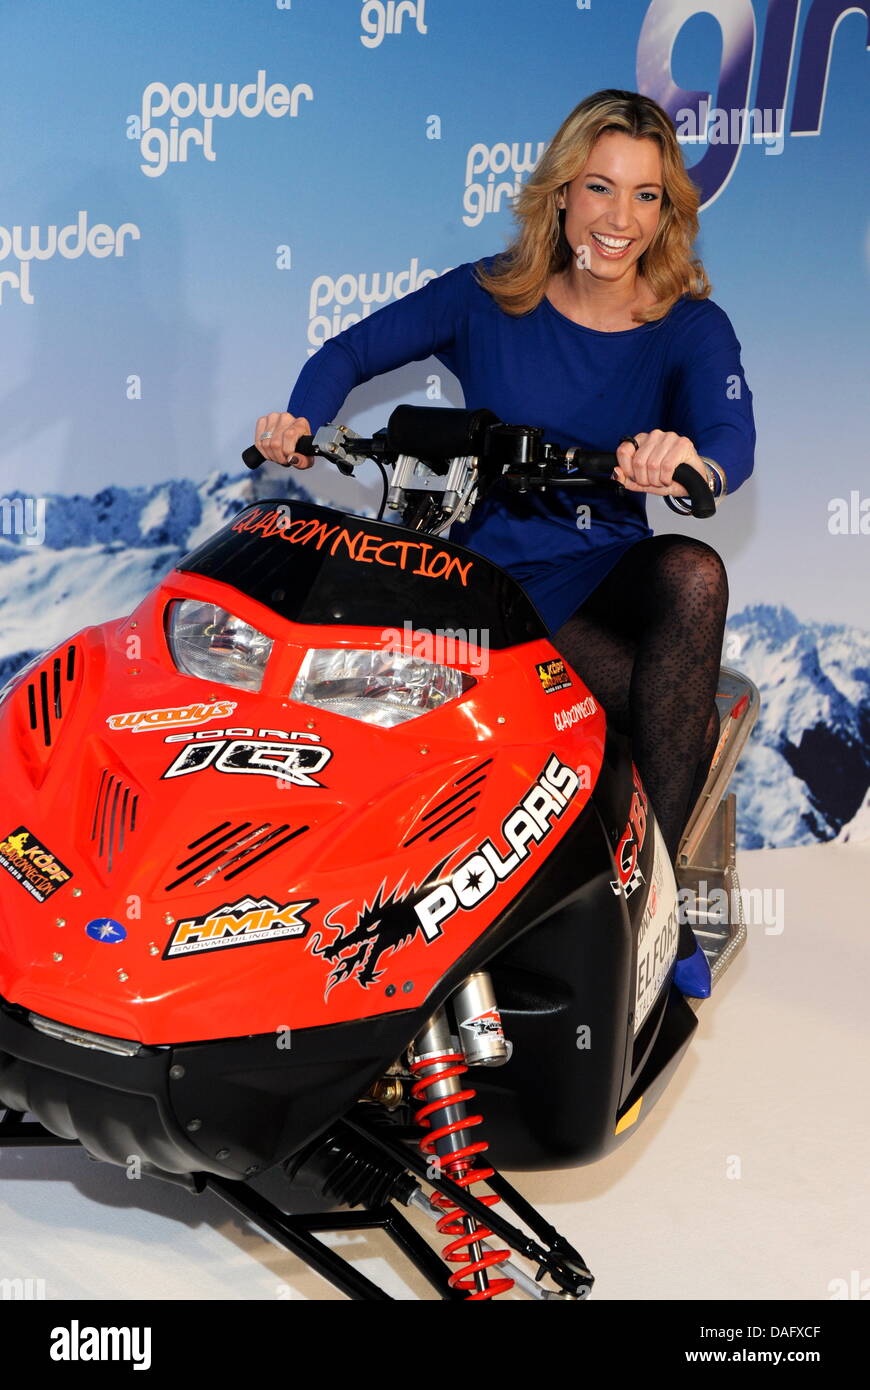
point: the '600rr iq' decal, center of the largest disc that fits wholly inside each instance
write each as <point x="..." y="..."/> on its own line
<point x="295" y="763"/>
<point x="392" y="920"/>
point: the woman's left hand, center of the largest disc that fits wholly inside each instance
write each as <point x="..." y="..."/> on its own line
<point x="650" y="467"/>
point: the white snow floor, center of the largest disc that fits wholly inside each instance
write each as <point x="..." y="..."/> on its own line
<point x="774" y="1089"/>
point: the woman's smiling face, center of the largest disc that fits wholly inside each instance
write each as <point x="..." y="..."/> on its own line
<point x="614" y="203"/>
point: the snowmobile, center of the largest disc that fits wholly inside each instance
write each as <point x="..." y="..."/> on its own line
<point x="326" y="823"/>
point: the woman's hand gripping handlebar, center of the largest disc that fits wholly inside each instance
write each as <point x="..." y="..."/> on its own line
<point x="282" y="439"/>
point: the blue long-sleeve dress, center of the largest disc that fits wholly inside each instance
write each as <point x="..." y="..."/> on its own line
<point x="682" y="373"/>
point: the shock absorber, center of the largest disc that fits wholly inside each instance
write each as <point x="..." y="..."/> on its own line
<point x="437" y="1065"/>
<point x="478" y="1023"/>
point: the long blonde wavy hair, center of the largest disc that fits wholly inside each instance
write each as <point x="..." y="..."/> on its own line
<point x="519" y="276"/>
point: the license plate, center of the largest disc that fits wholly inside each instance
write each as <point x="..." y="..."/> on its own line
<point x="658" y="935"/>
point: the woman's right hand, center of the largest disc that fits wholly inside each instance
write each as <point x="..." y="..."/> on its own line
<point x="284" y="431"/>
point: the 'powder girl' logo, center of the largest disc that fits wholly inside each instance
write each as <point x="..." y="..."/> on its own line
<point x="202" y="105"/>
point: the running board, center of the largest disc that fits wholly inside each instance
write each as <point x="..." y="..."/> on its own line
<point x="739" y="704"/>
<point x="714" y="910"/>
<point x="707" y="856"/>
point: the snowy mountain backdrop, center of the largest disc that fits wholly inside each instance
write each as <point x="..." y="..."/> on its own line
<point x="805" y="774"/>
<point x="804" y="778"/>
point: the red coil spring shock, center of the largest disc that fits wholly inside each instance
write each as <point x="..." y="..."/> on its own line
<point x="458" y="1165"/>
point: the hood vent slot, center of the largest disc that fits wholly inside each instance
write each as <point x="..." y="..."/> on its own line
<point x="450" y="810"/>
<point x="229" y="850"/>
<point x="114" y="820"/>
<point x="49" y="692"/>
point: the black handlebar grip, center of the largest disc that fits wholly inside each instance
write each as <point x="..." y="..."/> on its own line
<point x="700" y="496"/>
<point x="252" y="458"/>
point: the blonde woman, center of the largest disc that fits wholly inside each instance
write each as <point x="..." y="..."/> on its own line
<point x="596" y="324"/>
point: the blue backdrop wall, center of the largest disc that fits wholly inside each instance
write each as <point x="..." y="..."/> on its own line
<point x="195" y="196"/>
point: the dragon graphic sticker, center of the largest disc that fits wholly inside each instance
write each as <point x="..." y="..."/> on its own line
<point x="391" y="920"/>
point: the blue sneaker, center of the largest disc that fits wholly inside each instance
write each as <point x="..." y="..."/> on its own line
<point x="692" y="975"/>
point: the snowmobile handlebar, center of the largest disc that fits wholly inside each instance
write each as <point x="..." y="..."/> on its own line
<point x="517" y="454"/>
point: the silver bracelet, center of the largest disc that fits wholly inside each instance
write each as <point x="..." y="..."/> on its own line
<point x="683" y="507"/>
<point x="720" y="474"/>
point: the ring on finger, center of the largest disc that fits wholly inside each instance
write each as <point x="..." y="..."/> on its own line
<point x="629" y="439"/>
<point x="267" y="435"/>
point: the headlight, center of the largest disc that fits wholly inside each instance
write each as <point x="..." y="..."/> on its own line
<point x="209" y="642"/>
<point x="381" y="687"/>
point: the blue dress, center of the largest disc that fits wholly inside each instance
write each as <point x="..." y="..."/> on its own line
<point x="681" y="373"/>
